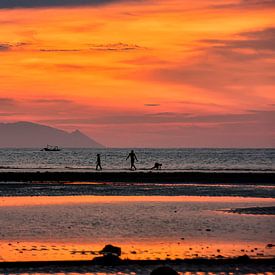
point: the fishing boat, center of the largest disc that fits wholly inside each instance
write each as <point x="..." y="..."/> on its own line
<point x="51" y="148"/>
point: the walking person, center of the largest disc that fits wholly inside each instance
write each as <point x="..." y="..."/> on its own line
<point x="98" y="162"/>
<point x="133" y="158"/>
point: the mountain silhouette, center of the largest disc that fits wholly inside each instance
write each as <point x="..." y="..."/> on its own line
<point x="27" y="134"/>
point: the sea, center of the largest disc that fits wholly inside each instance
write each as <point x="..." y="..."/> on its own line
<point x="114" y="159"/>
<point x="72" y="221"/>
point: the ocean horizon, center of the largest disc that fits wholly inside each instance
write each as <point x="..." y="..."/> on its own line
<point x="114" y="159"/>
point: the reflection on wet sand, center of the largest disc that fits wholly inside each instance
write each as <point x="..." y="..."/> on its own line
<point x="63" y="200"/>
<point x="55" y="251"/>
<point x="154" y="227"/>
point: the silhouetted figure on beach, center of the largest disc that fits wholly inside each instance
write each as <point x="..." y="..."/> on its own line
<point x="133" y="158"/>
<point x="157" y="166"/>
<point x="98" y="162"/>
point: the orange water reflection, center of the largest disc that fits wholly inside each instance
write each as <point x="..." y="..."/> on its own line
<point x="43" y="251"/>
<point x="202" y="245"/>
<point x="31" y="201"/>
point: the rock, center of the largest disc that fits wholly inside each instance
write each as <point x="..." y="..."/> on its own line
<point x="164" y="270"/>
<point x="243" y="258"/>
<point x="110" y="256"/>
<point x="260" y="254"/>
<point x="111" y="250"/>
<point x="107" y="260"/>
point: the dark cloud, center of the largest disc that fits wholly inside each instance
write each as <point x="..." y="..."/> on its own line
<point x="10" y="46"/>
<point x="254" y="116"/>
<point x="60" y="50"/>
<point x="5" y="47"/>
<point x="70" y="67"/>
<point x="6" y="101"/>
<point x="7" y="106"/>
<point x="53" y="101"/>
<point x="8" y="114"/>
<point x="9" y="4"/>
<point x="246" y="4"/>
<point x="76" y="67"/>
<point x="219" y="76"/>
<point x="100" y="47"/>
<point x="185" y="102"/>
<point x="115" y="47"/>
<point x="245" y="61"/>
<point x="262" y="40"/>
<point x="8" y="22"/>
<point x="151" y="105"/>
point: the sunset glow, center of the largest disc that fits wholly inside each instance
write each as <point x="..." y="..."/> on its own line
<point x="139" y="73"/>
<point x="49" y="246"/>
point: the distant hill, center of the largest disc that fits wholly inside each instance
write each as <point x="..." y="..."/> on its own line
<point x="26" y="134"/>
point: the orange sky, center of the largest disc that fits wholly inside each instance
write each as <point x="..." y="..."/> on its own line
<point x="142" y="73"/>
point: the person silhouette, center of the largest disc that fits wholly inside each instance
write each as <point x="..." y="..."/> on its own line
<point x="133" y="158"/>
<point x="98" y="162"/>
<point x="157" y="166"/>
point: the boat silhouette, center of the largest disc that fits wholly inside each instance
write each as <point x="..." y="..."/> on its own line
<point x="51" y="148"/>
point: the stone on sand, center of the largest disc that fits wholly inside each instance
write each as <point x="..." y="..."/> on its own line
<point x="110" y="256"/>
<point x="111" y="249"/>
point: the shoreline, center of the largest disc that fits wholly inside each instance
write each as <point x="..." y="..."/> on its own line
<point x="242" y="264"/>
<point x="141" y="177"/>
<point x="244" y="259"/>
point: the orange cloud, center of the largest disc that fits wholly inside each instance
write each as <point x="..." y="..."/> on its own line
<point x="121" y="64"/>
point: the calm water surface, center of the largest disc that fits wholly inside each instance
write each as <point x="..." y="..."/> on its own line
<point x="115" y="159"/>
<point x="61" y="228"/>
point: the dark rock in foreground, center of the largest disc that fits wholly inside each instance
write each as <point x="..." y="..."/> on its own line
<point x="111" y="250"/>
<point x="164" y="270"/>
<point x="110" y="256"/>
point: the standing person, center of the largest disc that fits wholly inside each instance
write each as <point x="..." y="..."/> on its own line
<point x="133" y="158"/>
<point x="98" y="162"/>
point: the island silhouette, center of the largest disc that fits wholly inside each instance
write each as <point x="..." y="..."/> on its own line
<point x="27" y="134"/>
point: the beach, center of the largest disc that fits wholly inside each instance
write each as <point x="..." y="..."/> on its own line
<point x="207" y="211"/>
<point x="137" y="137"/>
<point x="137" y="184"/>
<point x="163" y="176"/>
<point x="196" y="267"/>
<point x="64" y="225"/>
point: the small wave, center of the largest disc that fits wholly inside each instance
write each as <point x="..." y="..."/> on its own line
<point x="85" y="168"/>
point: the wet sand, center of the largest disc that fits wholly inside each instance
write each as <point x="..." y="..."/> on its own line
<point x="254" y="210"/>
<point x="39" y="225"/>
<point x="137" y="176"/>
<point x="135" y="189"/>
<point x="184" y="267"/>
<point x="152" y="227"/>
